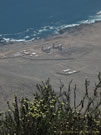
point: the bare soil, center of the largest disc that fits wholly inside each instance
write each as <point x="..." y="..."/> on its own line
<point x="22" y="65"/>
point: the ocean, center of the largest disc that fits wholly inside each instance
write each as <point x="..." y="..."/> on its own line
<point x="22" y="20"/>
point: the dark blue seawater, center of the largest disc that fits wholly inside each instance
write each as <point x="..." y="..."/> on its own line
<point x="29" y="19"/>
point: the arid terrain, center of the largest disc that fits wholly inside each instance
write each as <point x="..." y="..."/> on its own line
<point x="74" y="54"/>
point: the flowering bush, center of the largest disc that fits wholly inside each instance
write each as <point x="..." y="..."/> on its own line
<point x="52" y="114"/>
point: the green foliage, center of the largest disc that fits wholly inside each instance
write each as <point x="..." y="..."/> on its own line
<point x="52" y="114"/>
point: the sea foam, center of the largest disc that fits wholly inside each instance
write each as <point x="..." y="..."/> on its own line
<point x="31" y="34"/>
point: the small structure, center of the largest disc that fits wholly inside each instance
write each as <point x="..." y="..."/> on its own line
<point x="33" y="53"/>
<point x="74" y="71"/>
<point x="47" y="50"/>
<point x="25" y="52"/>
<point x="67" y="72"/>
<point x="59" y="46"/>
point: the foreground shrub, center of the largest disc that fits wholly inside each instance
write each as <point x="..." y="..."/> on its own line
<point x="52" y="114"/>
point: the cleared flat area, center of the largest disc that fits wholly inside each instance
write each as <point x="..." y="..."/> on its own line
<point x="22" y="65"/>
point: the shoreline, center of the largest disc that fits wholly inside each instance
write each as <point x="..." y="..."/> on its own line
<point x="24" y="64"/>
<point x="72" y="28"/>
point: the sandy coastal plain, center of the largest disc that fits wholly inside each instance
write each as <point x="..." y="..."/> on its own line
<point x="75" y="54"/>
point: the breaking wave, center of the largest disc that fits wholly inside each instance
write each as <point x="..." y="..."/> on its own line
<point x="31" y="34"/>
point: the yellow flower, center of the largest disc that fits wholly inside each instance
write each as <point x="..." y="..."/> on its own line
<point x="9" y="110"/>
<point x="52" y="106"/>
<point x="43" y="115"/>
<point x="53" y="100"/>
<point x="97" y="122"/>
<point x="97" y="132"/>
<point x="49" y="122"/>
<point x="62" y="103"/>
<point x="54" y="131"/>
<point x="46" y="86"/>
<point x="41" y="100"/>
